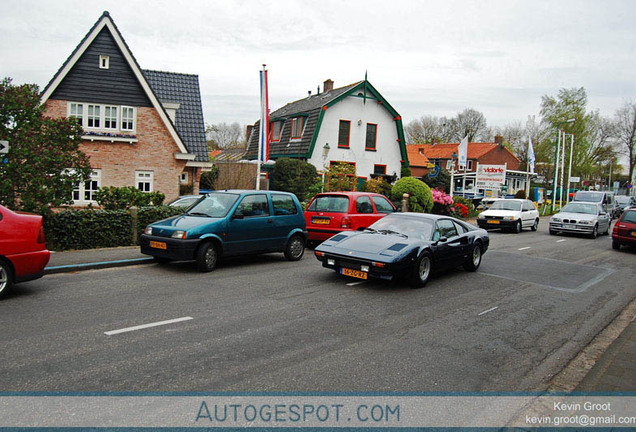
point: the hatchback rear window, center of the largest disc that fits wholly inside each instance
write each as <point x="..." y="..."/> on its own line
<point x="330" y="203"/>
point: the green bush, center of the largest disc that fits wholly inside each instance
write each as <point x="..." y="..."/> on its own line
<point x="121" y="198"/>
<point x="379" y="185"/>
<point x="468" y="203"/>
<point x="90" y="228"/>
<point x="421" y="196"/>
<point x="405" y="172"/>
<point x="295" y="176"/>
<point x="520" y="194"/>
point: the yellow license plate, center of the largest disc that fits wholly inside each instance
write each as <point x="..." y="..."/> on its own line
<point x="158" y="245"/>
<point x="495" y="222"/>
<point x="317" y="221"/>
<point x="353" y="273"/>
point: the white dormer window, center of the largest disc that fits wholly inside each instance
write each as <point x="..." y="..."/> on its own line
<point x="104" y="61"/>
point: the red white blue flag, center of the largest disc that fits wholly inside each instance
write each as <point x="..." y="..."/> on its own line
<point x="263" y="142"/>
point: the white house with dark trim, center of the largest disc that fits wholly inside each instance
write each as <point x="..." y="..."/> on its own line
<point x="352" y="124"/>
<point x="141" y="128"/>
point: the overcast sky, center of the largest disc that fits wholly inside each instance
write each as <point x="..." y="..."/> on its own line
<point x="425" y="57"/>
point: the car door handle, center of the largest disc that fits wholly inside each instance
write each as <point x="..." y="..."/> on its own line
<point x="270" y="220"/>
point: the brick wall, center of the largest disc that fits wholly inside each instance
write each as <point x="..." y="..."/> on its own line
<point x="499" y="156"/>
<point x="118" y="161"/>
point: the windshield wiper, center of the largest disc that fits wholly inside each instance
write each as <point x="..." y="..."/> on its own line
<point x="393" y="232"/>
<point x="369" y="229"/>
<point x="198" y="214"/>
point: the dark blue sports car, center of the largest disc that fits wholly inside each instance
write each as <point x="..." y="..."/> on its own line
<point x="405" y="244"/>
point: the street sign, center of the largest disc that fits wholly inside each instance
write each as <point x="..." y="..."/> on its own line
<point x="575" y="179"/>
<point x="490" y="176"/>
<point x="4" y="147"/>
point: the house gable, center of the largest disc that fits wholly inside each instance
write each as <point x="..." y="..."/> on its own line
<point x="105" y="23"/>
<point x="116" y="85"/>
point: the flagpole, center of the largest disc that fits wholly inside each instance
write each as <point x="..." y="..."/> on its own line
<point x="570" y="169"/>
<point x="264" y="126"/>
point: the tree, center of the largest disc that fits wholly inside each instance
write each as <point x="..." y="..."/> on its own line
<point x="470" y="123"/>
<point x="223" y="136"/>
<point x="592" y="133"/>
<point x="44" y="163"/>
<point x="441" y="181"/>
<point x="428" y="129"/>
<point x="625" y="128"/>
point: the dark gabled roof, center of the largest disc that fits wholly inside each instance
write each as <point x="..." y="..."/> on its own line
<point x="170" y="87"/>
<point x="309" y="108"/>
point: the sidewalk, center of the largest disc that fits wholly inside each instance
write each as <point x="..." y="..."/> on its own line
<point x="70" y="261"/>
<point x="614" y="371"/>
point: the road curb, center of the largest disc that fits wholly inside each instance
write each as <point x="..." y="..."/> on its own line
<point x="96" y="265"/>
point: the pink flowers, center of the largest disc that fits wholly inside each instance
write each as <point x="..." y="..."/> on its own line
<point x="440" y="197"/>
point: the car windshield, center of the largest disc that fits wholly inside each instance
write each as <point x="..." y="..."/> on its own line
<point x="623" y="199"/>
<point x="575" y="207"/>
<point x="215" y="205"/>
<point x="410" y="226"/>
<point x="588" y="197"/>
<point x="506" y="205"/>
<point x="330" y="203"/>
<point x="629" y="216"/>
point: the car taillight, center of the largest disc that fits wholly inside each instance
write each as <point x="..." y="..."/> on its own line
<point x="41" y="238"/>
<point x="345" y="222"/>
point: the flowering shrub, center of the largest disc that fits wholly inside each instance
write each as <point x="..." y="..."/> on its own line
<point x="460" y="211"/>
<point x="442" y="203"/>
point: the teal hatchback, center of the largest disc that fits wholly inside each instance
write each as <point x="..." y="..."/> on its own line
<point x="229" y="223"/>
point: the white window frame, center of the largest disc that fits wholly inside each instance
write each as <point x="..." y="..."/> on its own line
<point x="94" y="117"/>
<point x="183" y="178"/>
<point x="449" y="164"/>
<point x="113" y="120"/>
<point x="469" y="165"/>
<point x="146" y="177"/>
<point x="104" y="62"/>
<point x="81" y="190"/>
<point x="80" y="110"/>
<point x="126" y="118"/>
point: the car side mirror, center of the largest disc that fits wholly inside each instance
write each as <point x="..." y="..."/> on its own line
<point x="443" y="239"/>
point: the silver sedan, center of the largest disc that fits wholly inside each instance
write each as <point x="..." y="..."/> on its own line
<point x="582" y="218"/>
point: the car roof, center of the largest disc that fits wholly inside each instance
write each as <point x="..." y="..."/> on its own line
<point x="349" y="193"/>
<point x="248" y="191"/>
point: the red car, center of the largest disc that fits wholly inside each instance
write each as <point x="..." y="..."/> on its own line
<point x="332" y="212"/>
<point x="624" y="232"/>
<point x="23" y="253"/>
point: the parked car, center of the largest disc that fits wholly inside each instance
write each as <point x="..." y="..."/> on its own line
<point x="624" y="201"/>
<point x="185" y="201"/>
<point x="23" y="253"/>
<point x="512" y="214"/>
<point x="229" y="223"/>
<point x="411" y="245"/>
<point x="624" y="232"/>
<point x="331" y="213"/>
<point x="602" y="198"/>
<point x="581" y="218"/>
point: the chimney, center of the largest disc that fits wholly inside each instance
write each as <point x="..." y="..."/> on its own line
<point x="308" y="94"/>
<point x="318" y="90"/>
<point x="328" y="86"/>
<point x="499" y="140"/>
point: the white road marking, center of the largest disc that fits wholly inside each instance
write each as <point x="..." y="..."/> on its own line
<point x="489" y="310"/>
<point x="524" y="248"/>
<point x="355" y="283"/>
<point x="145" y="326"/>
<point x="559" y="241"/>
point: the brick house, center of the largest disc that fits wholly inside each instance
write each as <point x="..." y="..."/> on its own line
<point x="142" y="128"/>
<point x="352" y="124"/>
<point x="425" y="157"/>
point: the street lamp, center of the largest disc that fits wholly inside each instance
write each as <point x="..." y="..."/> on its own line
<point x="556" y="162"/>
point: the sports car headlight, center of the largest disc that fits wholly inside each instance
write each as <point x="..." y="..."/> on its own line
<point x="179" y="234"/>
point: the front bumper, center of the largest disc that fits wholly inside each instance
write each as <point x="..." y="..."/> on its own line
<point x="175" y="249"/>
<point x="575" y="228"/>
<point x="362" y="266"/>
<point x="496" y="223"/>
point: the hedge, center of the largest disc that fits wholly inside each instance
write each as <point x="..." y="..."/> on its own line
<point x="90" y="228"/>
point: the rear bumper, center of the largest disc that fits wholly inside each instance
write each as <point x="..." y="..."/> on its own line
<point x="624" y="239"/>
<point x="30" y="265"/>
<point x="322" y="234"/>
<point x="176" y="249"/>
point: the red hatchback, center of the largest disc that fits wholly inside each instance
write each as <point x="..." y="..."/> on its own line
<point x="332" y="212"/>
<point x="624" y="232"/>
<point x="23" y="253"/>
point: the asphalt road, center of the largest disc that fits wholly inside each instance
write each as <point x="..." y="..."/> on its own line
<point x="265" y="324"/>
